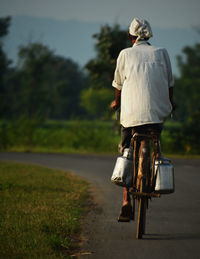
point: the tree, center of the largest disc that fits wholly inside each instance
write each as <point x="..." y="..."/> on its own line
<point x="4" y="25"/>
<point x="45" y="84"/>
<point x="187" y="86"/>
<point x="4" y="62"/>
<point x="69" y="81"/>
<point x="109" y="42"/>
<point x="191" y="129"/>
<point x="187" y="95"/>
<point x="33" y="62"/>
<point x="95" y="101"/>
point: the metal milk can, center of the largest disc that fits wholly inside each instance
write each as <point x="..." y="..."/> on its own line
<point x="123" y="170"/>
<point x="164" y="176"/>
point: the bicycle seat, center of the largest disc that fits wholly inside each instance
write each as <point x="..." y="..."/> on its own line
<point x="152" y="136"/>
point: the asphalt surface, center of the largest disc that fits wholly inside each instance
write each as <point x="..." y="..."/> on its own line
<point x="173" y="221"/>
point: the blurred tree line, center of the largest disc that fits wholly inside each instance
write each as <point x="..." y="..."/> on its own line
<point x="98" y="94"/>
<point x="47" y="86"/>
<point x="42" y="84"/>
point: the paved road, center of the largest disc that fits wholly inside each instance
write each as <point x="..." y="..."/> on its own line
<point x="173" y="223"/>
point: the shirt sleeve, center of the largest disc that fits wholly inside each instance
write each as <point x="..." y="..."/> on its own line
<point x="169" y="69"/>
<point x="119" y="75"/>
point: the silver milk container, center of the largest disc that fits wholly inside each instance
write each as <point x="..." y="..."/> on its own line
<point x="123" y="170"/>
<point x="164" y="173"/>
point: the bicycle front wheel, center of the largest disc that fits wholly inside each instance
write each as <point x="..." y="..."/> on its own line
<point x="142" y="207"/>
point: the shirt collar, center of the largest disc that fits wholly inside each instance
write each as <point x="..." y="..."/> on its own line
<point x="141" y="42"/>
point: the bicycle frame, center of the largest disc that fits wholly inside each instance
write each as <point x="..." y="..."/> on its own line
<point x="147" y="185"/>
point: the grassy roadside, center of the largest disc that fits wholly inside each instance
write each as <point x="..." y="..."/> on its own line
<point x="59" y="137"/>
<point x="40" y="211"/>
<point x="83" y="137"/>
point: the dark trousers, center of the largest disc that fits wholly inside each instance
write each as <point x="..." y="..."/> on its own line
<point x="126" y="133"/>
<point x="143" y="149"/>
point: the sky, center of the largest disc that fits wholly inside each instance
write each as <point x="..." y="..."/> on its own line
<point x="169" y="19"/>
<point x="160" y="13"/>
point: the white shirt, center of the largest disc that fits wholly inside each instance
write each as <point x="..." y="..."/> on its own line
<point x="143" y="74"/>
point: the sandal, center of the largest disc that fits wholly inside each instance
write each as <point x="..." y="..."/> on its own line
<point x="126" y="213"/>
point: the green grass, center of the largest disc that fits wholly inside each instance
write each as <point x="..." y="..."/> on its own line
<point x="83" y="137"/>
<point x="62" y="137"/>
<point x="40" y="211"/>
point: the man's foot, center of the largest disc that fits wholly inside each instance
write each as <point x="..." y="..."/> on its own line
<point x="126" y="213"/>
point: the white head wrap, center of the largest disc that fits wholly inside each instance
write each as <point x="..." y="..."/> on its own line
<point x="140" y="28"/>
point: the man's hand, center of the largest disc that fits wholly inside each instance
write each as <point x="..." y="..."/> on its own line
<point x="115" y="105"/>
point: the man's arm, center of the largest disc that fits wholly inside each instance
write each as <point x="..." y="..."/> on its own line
<point x="116" y="103"/>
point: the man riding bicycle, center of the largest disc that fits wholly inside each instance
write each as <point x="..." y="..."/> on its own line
<point x="143" y="83"/>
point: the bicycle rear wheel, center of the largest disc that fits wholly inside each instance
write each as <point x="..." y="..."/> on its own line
<point x="142" y="207"/>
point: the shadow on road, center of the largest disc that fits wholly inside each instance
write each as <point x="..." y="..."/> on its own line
<point x="183" y="236"/>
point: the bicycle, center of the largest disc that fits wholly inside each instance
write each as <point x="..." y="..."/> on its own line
<point x="146" y="183"/>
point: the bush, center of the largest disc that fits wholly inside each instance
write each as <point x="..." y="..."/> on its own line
<point x="191" y="131"/>
<point x="53" y="136"/>
<point x="172" y="138"/>
<point x="90" y="136"/>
